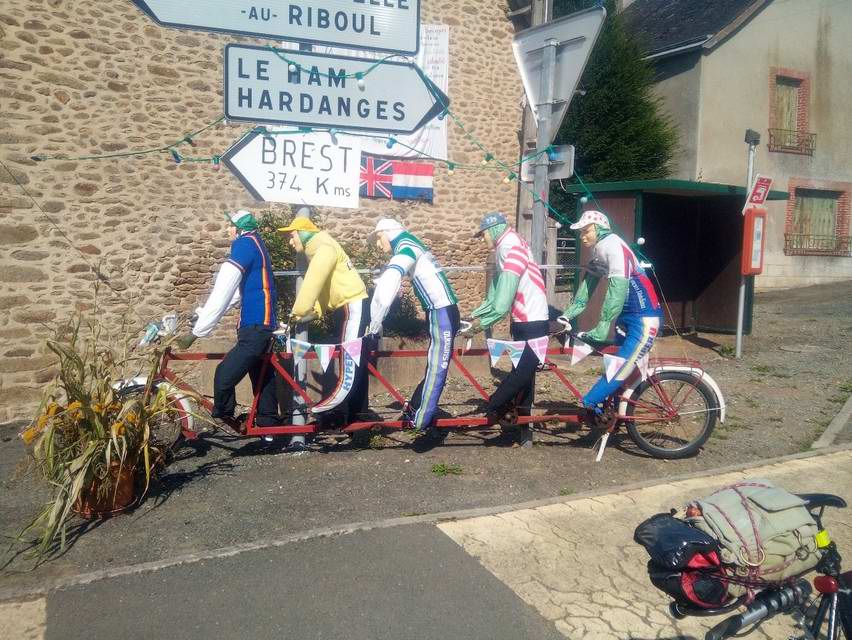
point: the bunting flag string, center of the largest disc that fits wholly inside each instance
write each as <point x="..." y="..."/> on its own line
<point x="539" y="347"/>
<point x="580" y="351"/>
<point x="325" y="352"/>
<point x="612" y="365"/>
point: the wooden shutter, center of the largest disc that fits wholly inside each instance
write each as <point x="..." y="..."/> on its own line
<point x="787" y="104"/>
<point x="815" y="213"/>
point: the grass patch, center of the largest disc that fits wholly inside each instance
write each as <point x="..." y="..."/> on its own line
<point x="411" y="514"/>
<point x="776" y="419"/>
<point x="377" y="441"/>
<point x="838" y="399"/>
<point x="726" y="351"/>
<point x="750" y="402"/>
<point x="771" y="371"/>
<point x="566" y="491"/>
<point x="846" y="387"/>
<point x="442" y="469"/>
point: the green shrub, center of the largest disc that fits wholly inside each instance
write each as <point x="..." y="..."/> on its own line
<point x="405" y="318"/>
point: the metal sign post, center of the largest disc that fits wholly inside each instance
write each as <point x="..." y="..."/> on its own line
<point x="551" y="58"/>
<point x="752" y="138"/>
<point x="386" y="25"/>
<point x="317" y="90"/>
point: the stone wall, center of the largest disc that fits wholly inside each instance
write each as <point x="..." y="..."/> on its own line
<point x="86" y="78"/>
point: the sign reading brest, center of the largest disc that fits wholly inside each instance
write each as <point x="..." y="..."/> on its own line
<point x="381" y="25"/>
<point x="307" y="168"/>
<point x="318" y="90"/>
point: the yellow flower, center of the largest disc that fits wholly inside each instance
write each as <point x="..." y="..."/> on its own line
<point x="52" y="408"/>
<point x="98" y="407"/>
<point x="74" y="406"/>
<point x="130" y="417"/>
<point x="118" y="428"/>
<point x="30" y="434"/>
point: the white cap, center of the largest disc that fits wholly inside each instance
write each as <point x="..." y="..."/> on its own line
<point x="388" y="224"/>
<point x="238" y="215"/>
<point x="591" y="217"/>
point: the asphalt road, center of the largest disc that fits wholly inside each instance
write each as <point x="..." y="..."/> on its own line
<point x="401" y="582"/>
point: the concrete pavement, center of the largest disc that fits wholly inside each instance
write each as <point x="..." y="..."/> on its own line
<point x="552" y="569"/>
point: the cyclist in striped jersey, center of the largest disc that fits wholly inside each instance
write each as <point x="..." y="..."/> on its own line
<point x="410" y="257"/>
<point x="519" y="289"/>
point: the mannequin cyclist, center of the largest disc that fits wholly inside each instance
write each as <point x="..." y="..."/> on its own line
<point x="245" y="276"/>
<point x="410" y="257"/>
<point x="518" y="289"/>
<point x="630" y="301"/>
<point x="332" y="284"/>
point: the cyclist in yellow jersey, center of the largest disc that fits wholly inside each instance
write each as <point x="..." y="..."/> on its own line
<point x="332" y="285"/>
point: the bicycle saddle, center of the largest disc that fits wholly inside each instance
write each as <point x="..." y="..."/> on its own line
<point x="817" y="500"/>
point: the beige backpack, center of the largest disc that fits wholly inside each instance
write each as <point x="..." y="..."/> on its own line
<point x="765" y="533"/>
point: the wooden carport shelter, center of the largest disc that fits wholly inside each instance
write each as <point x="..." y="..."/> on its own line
<point x="693" y="237"/>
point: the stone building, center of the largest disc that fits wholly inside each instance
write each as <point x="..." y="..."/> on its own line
<point x="84" y="78"/>
<point x="783" y="69"/>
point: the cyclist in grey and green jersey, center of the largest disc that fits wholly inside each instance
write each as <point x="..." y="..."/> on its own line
<point x="410" y="257"/>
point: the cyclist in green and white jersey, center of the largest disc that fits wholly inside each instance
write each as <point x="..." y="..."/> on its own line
<point x="410" y="257"/>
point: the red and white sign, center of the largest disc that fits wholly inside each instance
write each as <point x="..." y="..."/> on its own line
<point x="759" y="192"/>
<point x="754" y="239"/>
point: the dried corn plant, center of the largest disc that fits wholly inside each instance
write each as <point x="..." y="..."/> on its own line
<point x="90" y="429"/>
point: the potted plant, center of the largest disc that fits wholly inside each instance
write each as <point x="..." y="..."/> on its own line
<point x="94" y="442"/>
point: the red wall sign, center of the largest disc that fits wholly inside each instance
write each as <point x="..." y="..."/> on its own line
<point x="759" y="192"/>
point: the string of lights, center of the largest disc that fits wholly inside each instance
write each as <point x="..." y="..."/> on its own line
<point x="489" y="161"/>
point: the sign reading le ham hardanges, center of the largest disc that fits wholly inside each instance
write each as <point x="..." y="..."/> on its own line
<point x="380" y="25"/>
<point x="316" y="90"/>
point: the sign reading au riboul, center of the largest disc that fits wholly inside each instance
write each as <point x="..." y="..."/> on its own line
<point x="290" y="166"/>
<point x="318" y="90"/>
<point x="381" y="25"/>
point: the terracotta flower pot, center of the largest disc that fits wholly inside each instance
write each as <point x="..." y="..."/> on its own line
<point x="120" y="496"/>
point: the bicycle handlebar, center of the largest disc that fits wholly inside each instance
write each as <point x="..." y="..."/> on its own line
<point x="765" y="605"/>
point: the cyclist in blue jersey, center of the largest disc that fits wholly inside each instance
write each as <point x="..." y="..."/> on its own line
<point x="630" y="301"/>
<point x="246" y="277"/>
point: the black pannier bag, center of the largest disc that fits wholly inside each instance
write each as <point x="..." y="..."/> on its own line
<point x="684" y="561"/>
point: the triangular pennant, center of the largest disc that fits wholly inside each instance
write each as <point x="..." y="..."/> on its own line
<point x="298" y="348"/>
<point x="325" y="351"/>
<point x="612" y="364"/>
<point x="580" y="351"/>
<point x="496" y="348"/>
<point x="642" y="365"/>
<point x="353" y="350"/>
<point x="516" y="350"/>
<point x="539" y="347"/>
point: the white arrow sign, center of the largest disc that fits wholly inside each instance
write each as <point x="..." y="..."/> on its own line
<point x="302" y="168"/>
<point x="316" y="90"/>
<point x="381" y="25"/>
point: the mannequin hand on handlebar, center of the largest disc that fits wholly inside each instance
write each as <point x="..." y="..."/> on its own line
<point x="474" y="328"/>
<point x="185" y="341"/>
<point x="308" y="317"/>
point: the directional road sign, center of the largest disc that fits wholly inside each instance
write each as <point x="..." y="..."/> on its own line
<point x="318" y="90"/>
<point x="302" y="168"/>
<point x="381" y="25"/>
<point x="550" y="81"/>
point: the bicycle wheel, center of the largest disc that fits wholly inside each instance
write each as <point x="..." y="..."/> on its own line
<point x="671" y="414"/>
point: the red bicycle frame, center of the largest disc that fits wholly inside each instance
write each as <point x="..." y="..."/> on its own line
<point x="276" y="360"/>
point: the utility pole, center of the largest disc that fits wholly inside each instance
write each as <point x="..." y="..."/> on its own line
<point x="541" y="13"/>
<point x="752" y="139"/>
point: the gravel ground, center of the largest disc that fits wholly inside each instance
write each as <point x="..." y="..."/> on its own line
<point x="795" y="375"/>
